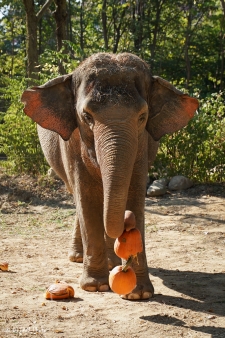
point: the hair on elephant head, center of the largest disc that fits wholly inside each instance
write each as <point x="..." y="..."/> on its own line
<point x="110" y="113"/>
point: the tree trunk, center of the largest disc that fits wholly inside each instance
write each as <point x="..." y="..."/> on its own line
<point x="138" y="17"/>
<point x="222" y="50"/>
<point x="32" y="48"/>
<point x="104" y="25"/>
<point x="156" y="29"/>
<point x="12" y="50"/>
<point x="32" y="45"/>
<point x="187" y="44"/>
<point x="117" y="28"/>
<point x="60" y="15"/>
<point x="223" y="5"/>
<point x="82" y="28"/>
<point x="69" y="33"/>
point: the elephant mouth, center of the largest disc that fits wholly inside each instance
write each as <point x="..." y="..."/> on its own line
<point x="93" y="157"/>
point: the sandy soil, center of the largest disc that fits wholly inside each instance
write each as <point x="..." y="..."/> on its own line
<point x="185" y="240"/>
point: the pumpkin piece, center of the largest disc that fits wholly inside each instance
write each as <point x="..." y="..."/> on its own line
<point x="59" y="290"/>
<point x="128" y="244"/>
<point x="4" y="266"/>
<point x="122" y="281"/>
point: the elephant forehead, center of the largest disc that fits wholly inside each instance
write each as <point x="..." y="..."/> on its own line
<point x="115" y="88"/>
<point x="112" y="63"/>
<point x="115" y="75"/>
<point x="117" y="99"/>
<point x="104" y="92"/>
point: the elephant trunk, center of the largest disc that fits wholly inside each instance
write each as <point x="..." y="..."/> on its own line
<point x="116" y="153"/>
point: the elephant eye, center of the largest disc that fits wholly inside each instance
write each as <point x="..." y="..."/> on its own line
<point x="88" y="118"/>
<point x="142" y="118"/>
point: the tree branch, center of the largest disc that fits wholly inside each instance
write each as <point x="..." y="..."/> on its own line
<point x="223" y="5"/>
<point x="44" y="9"/>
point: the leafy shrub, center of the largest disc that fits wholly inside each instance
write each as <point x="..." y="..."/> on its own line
<point x="18" y="134"/>
<point x="197" y="150"/>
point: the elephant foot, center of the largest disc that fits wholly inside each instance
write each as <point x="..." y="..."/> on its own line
<point x="141" y="292"/>
<point x="75" y="256"/>
<point x="94" y="285"/>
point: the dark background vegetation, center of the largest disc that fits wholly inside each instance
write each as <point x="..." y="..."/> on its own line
<point x="183" y="41"/>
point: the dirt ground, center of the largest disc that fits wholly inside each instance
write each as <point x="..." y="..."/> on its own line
<point x="185" y="240"/>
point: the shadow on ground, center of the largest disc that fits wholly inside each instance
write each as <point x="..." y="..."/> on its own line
<point x="207" y="290"/>
<point x="215" y="332"/>
<point x="207" y="293"/>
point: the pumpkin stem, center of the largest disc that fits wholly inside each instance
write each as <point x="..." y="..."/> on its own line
<point x="127" y="264"/>
<point x="136" y="257"/>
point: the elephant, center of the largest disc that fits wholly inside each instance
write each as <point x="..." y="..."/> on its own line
<point x="99" y="128"/>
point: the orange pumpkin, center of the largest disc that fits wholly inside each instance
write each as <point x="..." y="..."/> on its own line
<point x="59" y="290"/>
<point x="122" y="281"/>
<point x="128" y="244"/>
<point x="4" y="266"/>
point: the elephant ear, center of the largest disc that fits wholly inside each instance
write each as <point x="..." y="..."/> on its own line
<point x="52" y="105"/>
<point x="169" y="109"/>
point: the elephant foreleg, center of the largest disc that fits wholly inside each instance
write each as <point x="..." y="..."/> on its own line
<point x="76" y="248"/>
<point x="113" y="259"/>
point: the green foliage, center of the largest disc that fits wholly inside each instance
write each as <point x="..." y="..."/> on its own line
<point x="18" y="134"/>
<point x="196" y="151"/>
<point x="49" y="61"/>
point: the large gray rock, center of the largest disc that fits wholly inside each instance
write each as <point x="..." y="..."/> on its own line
<point x="157" y="188"/>
<point x="180" y="183"/>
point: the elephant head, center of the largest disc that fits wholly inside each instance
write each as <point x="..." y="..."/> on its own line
<point x="115" y="102"/>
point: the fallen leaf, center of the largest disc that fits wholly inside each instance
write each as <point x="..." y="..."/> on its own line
<point x="211" y="317"/>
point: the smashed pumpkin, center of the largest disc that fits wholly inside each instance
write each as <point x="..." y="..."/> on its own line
<point x="59" y="290"/>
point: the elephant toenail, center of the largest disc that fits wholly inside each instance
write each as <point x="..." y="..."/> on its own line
<point x="90" y="288"/>
<point x="146" y="295"/>
<point x="79" y="260"/>
<point x="103" y="288"/>
<point x="133" y="296"/>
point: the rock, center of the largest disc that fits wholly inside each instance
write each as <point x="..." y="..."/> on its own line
<point x="179" y="183"/>
<point x="5" y="207"/>
<point x="51" y="173"/>
<point x="157" y="188"/>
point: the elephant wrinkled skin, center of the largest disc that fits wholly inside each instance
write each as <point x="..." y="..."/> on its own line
<point x="99" y="129"/>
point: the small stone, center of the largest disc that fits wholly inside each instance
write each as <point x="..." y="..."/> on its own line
<point x="180" y="183"/>
<point x="211" y="317"/>
<point x="157" y="188"/>
<point x="51" y="173"/>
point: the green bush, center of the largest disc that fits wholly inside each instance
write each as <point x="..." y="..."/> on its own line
<point x="197" y="151"/>
<point x="18" y="134"/>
